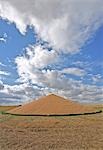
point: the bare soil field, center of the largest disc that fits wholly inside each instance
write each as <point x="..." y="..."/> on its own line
<point x="5" y="108"/>
<point x="51" y="133"/>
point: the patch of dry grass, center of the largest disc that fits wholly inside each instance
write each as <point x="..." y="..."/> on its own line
<point x="5" y="108"/>
<point x="51" y="133"/>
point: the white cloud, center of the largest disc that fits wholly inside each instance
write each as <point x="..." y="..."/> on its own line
<point x="30" y="71"/>
<point x="1" y="64"/>
<point x="74" y="71"/>
<point x="24" y="91"/>
<point x="66" y="24"/>
<point x="4" y="73"/>
<point x="50" y="81"/>
<point x="3" y="38"/>
<point x="54" y="81"/>
<point x="41" y="57"/>
<point x="18" y="94"/>
<point x="97" y="78"/>
<point x="36" y="57"/>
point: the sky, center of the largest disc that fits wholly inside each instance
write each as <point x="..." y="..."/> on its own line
<point x="51" y="46"/>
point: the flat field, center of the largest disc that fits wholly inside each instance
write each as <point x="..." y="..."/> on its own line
<point x="51" y="133"/>
<point x="5" y="108"/>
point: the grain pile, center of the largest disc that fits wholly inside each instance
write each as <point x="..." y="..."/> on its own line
<point x="51" y="105"/>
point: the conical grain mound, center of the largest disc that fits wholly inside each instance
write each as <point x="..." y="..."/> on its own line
<point x="51" y="105"/>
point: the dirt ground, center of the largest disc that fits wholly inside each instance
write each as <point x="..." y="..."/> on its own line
<point x="4" y="108"/>
<point x="51" y="133"/>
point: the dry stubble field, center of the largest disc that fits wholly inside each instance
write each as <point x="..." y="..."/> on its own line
<point x="51" y="133"/>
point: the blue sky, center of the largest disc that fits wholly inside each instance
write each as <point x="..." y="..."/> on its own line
<point x="91" y="53"/>
<point x="70" y="64"/>
<point x="14" y="46"/>
<point x="15" y="41"/>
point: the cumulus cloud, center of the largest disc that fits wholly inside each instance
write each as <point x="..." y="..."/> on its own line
<point x="74" y="71"/>
<point x="97" y="78"/>
<point x="49" y="81"/>
<point x="67" y="25"/>
<point x="36" y="57"/>
<point x="18" y="94"/>
<point x="4" y="73"/>
<point x="54" y="81"/>
<point x="84" y="93"/>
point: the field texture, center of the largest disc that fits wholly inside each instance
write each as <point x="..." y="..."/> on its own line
<point x="51" y="133"/>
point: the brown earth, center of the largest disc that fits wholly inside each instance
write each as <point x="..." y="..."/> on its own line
<point x="52" y="105"/>
<point x="6" y="108"/>
<point x="51" y="133"/>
